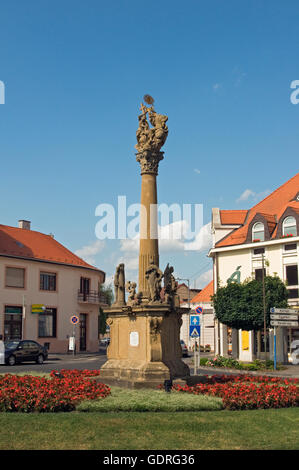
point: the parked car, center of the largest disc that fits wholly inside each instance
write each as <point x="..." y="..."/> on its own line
<point x="184" y="348"/>
<point x="105" y="342"/>
<point x="25" y="350"/>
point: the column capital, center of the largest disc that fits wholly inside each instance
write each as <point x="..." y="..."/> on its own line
<point x="149" y="161"/>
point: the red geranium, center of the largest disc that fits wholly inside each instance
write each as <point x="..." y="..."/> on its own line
<point x="59" y="393"/>
<point x="248" y="392"/>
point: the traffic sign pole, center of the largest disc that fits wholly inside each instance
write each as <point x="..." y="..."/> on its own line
<point x="274" y="347"/>
<point x="74" y="321"/>
<point x="282" y="317"/>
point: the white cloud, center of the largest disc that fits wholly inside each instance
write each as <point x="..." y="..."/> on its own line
<point x="88" y="252"/>
<point x="171" y="238"/>
<point x="248" y="193"/>
<point x="204" y="279"/>
<point x="130" y="244"/>
<point x="197" y="171"/>
<point x="203" y="240"/>
<point x="216" y="86"/>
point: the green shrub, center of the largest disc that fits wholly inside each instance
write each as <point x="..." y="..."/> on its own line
<point x="229" y="362"/>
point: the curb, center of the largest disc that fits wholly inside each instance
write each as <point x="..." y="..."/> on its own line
<point x="243" y="372"/>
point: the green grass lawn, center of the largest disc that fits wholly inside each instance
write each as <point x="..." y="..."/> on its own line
<point x="122" y="399"/>
<point x="210" y="430"/>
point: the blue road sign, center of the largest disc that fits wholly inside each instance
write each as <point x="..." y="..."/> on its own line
<point x="194" y="320"/>
<point x="199" y="310"/>
<point x="194" y="331"/>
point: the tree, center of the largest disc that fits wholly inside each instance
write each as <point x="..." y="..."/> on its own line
<point x="240" y="305"/>
<point x="108" y="293"/>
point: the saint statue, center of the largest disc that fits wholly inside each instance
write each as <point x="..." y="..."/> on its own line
<point x="154" y="277"/>
<point x="119" y="285"/>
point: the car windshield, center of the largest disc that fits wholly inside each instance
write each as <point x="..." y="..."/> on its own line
<point x="11" y="344"/>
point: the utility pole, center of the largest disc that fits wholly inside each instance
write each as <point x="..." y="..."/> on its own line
<point x="188" y="281"/>
<point x="23" y="316"/>
<point x="264" y="306"/>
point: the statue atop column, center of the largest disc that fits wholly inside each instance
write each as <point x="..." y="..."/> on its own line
<point x="150" y="139"/>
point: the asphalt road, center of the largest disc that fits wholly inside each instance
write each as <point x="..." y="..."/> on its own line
<point x="68" y="361"/>
<point x="65" y="361"/>
<point x="58" y="362"/>
<point x="95" y="361"/>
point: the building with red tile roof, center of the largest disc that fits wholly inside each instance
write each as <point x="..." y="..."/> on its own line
<point x="43" y="284"/>
<point x="205" y="294"/>
<point x="28" y="244"/>
<point x="284" y="199"/>
<point x="245" y="242"/>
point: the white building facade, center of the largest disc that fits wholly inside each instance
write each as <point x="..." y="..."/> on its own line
<point x="246" y="242"/>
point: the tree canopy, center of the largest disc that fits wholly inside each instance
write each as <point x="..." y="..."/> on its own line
<point x="108" y="292"/>
<point x="240" y="305"/>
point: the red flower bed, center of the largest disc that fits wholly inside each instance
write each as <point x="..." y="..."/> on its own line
<point x="28" y="393"/>
<point x="248" y="392"/>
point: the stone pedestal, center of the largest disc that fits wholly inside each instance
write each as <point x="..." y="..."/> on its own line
<point x="145" y="346"/>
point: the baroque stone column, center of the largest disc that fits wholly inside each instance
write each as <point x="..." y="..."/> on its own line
<point x="149" y="249"/>
<point x="145" y="345"/>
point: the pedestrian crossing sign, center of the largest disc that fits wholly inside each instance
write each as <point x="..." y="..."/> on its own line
<point x="194" y="331"/>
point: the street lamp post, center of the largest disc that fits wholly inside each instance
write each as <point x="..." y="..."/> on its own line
<point x="264" y="307"/>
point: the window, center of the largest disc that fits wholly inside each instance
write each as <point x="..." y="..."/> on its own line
<point x="258" y="232"/>
<point x="47" y="323"/>
<point x="48" y="281"/>
<point x="292" y="281"/>
<point x="84" y="285"/>
<point x="15" y="277"/>
<point x="289" y="227"/>
<point x="290" y="247"/>
<point x="258" y="251"/>
<point x="12" y="323"/>
<point x="259" y="274"/>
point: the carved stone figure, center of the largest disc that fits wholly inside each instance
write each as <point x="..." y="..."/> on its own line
<point x="170" y="285"/>
<point x="154" y="277"/>
<point x="151" y="139"/>
<point x="119" y="285"/>
<point x="133" y="298"/>
<point x="155" y="326"/>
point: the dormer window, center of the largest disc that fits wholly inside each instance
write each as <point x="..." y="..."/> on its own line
<point x="289" y="227"/>
<point x="258" y="232"/>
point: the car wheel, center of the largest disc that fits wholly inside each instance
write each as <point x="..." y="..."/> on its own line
<point x="11" y="360"/>
<point x="40" y="359"/>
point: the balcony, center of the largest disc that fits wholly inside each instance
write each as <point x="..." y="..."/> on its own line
<point x="92" y="297"/>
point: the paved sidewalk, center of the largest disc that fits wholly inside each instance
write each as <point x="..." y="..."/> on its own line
<point x="290" y="371"/>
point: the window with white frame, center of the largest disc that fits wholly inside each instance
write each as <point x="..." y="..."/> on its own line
<point x="258" y="232"/>
<point x="289" y="227"/>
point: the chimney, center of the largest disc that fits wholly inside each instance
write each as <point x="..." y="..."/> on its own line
<point x="25" y="224"/>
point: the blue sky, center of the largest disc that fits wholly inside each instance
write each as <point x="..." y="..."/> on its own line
<point x="75" y="73"/>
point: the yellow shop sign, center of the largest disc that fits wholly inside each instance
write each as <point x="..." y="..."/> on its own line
<point x="38" y="308"/>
